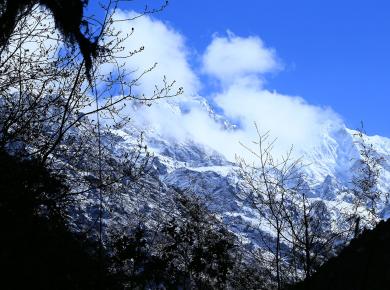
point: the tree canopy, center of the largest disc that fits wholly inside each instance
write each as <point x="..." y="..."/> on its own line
<point x="68" y="17"/>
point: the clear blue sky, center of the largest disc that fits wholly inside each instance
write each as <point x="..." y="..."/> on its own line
<point x="336" y="52"/>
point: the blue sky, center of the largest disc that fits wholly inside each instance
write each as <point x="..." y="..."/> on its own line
<point x="334" y="53"/>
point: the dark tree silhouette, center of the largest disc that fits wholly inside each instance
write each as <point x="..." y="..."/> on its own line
<point x="362" y="265"/>
<point x="37" y="249"/>
<point x="68" y="17"/>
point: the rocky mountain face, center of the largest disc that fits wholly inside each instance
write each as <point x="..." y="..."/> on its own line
<point x="191" y="166"/>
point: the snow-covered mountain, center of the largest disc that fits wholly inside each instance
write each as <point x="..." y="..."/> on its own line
<point x="187" y="164"/>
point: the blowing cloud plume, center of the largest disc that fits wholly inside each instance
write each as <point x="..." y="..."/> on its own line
<point x="240" y="66"/>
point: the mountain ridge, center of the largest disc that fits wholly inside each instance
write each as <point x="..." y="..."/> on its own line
<point x="191" y="166"/>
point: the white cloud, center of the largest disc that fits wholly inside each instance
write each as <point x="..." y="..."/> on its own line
<point x="162" y="45"/>
<point x="230" y="57"/>
<point x="289" y="119"/>
<point x="239" y="64"/>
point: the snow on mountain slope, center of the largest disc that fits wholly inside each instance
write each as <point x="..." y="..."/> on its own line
<point x="190" y="166"/>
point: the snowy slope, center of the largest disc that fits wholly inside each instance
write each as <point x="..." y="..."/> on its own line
<point x="194" y="167"/>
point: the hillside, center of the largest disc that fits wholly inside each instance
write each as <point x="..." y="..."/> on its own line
<point x="192" y="166"/>
<point x="362" y="265"/>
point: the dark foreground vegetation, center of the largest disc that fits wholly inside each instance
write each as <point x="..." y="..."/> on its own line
<point x="364" y="264"/>
<point x="39" y="251"/>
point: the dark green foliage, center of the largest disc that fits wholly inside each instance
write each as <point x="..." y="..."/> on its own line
<point x="247" y="276"/>
<point x="37" y="251"/>
<point x="132" y="263"/>
<point x="68" y="17"/>
<point x="196" y="245"/>
<point x="362" y="265"/>
<point x="190" y="251"/>
<point x="27" y="188"/>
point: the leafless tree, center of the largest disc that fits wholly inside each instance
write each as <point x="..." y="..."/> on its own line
<point x="366" y="195"/>
<point x="265" y="186"/>
<point x="52" y="111"/>
<point x="46" y="102"/>
<point x="302" y="234"/>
